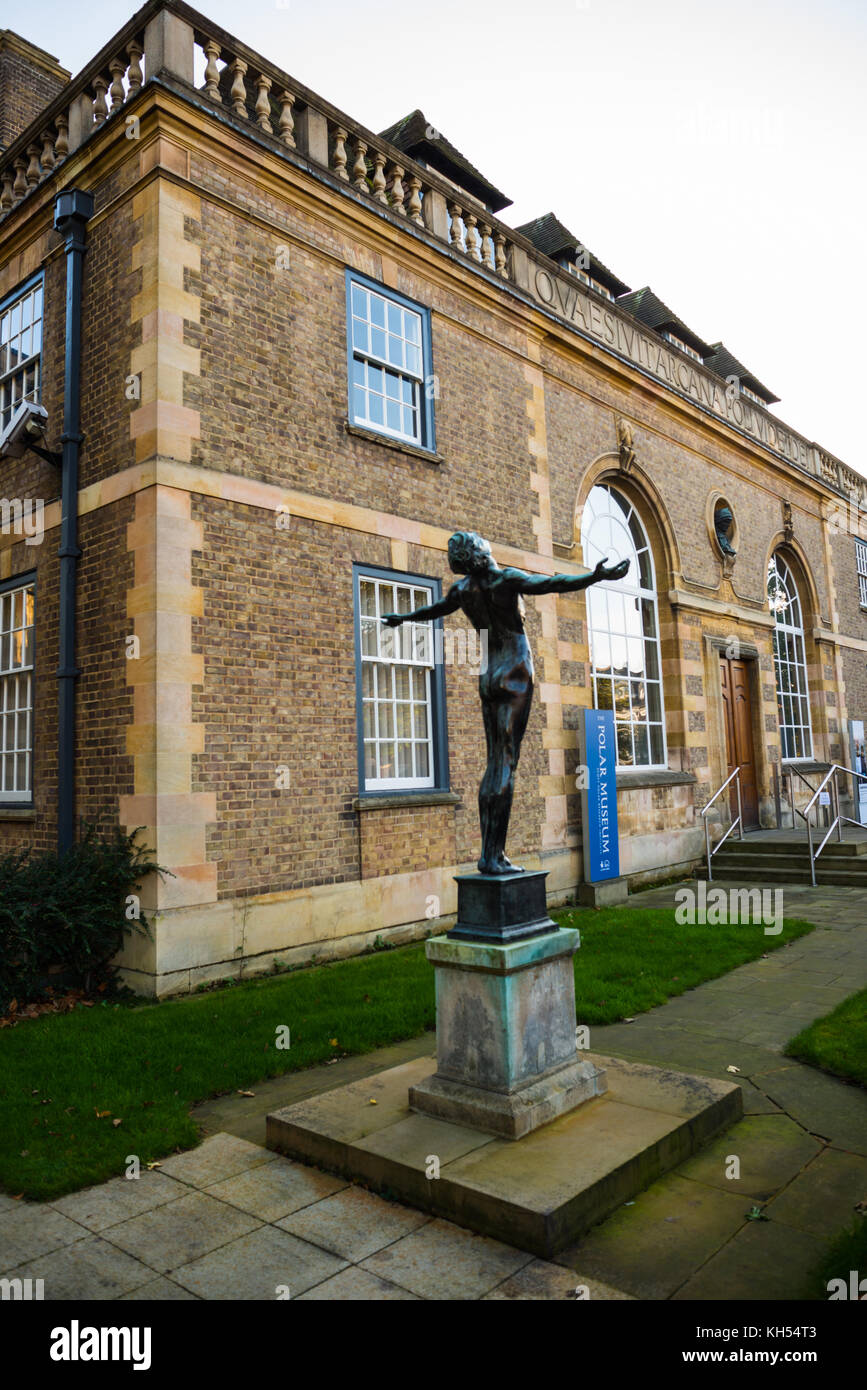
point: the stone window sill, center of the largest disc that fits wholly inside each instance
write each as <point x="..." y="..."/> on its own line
<point x="390" y="800"/>
<point x="812" y="766"/>
<point x="659" y="777"/>
<point x="17" y="813"/>
<point x="399" y="444"/>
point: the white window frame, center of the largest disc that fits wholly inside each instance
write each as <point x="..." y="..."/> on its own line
<point x="17" y="666"/>
<point x="391" y="354"/>
<point x="21" y="323"/>
<point x="792" y="631"/>
<point x="682" y="346"/>
<point x="628" y="590"/>
<point x="861" y="569"/>
<point x="410" y="648"/>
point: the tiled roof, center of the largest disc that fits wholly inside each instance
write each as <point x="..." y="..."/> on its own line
<point x="549" y="236"/>
<point x="724" y="364"/>
<point x="416" y="136"/>
<point x="649" y="308"/>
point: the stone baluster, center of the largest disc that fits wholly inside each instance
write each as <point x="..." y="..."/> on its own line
<point x="100" y="105"/>
<point x="19" y="187"/>
<point x="212" y="72"/>
<point x="473" y="243"/>
<point x="263" y="104"/>
<point x="413" y="206"/>
<point x="134" y="75"/>
<point x="238" y="93"/>
<point x="47" y="158"/>
<point x="359" y="166"/>
<point x="456" y="227"/>
<point x="6" y="192"/>
<point x="61" y="144"/>
<point x="500" y="255"/>
<point x="338" y="158"/>
<point x="379" y="177"/>
<point x="287" y="119"/>
<point x="116" y="91"/>
<point x="33" y="171"/>
<point x="395" y="189"/>
<point x="487" y="248"/>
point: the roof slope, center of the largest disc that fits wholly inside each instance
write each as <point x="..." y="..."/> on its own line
<point x="549" y="236"/>
<point x="416" y="136"/>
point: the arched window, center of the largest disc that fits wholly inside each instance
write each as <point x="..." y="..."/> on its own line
<point x="624" y="628"/>
<point x="790" y="662"/>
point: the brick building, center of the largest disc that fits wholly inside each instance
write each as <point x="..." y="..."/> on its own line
<point x="308" y="354"/>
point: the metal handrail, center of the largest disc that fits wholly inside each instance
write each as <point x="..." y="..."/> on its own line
<point x="838" y="819"/>
<point x="796" y="809"/>
<point x="738" y="823"/>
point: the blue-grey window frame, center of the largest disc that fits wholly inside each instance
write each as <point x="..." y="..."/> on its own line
<point x="20" y="582"/>
<point x="438" y="684"/>
<point x="428" y="443"/>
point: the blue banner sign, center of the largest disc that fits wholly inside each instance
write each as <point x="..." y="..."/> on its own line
<point x="599" y="796"/>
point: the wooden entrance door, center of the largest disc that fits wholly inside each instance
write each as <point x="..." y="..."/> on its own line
<point x="738" y="714"/>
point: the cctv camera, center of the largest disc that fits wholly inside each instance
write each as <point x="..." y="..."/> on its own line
<point x="25" y="430"/>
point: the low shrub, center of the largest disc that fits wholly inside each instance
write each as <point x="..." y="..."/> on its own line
<point x="68" y="913"/>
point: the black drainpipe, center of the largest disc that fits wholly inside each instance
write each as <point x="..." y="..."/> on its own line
<point x="72" y="210"/>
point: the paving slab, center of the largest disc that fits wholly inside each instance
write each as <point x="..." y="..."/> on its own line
<point x="29" y="1229"/>
<point x="822" y="1104"/>
<point x="821" y="1200"/>
<point x="653" y="1246"/>
<point x="160" y="1290"/>
<point x="89" y="1269"/>
<point x="771" y="1150"/>
<point x="354" y="1223"/>
<point x="220" y="1156"/>
<point x="275" y="1189"/>
<point x="174" y="1234"/>
<point x="443" y="1261"/>
<point x="764" y="1261"/>
<point x="358" y="1285"/>
<point x="119" y="1199"/>
<point x="266" y="1264"/>
<point x="541" y="1281"/>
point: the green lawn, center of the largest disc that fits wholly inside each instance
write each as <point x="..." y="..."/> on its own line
<point x="847" y="1253"/>
<point x="147" y="1064"/>
<point x="837" y="1042"/>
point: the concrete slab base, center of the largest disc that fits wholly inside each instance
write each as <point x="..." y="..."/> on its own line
<point x="539" y="1192"/>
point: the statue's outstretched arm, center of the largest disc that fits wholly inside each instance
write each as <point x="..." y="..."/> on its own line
<point x="563" y="583"/>
<point x="449" y="603"/>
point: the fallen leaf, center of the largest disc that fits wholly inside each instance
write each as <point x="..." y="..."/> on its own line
<point x="150" y="1166"/>
<point x="333" y="1042"/>
<point x="24" y="1153"/>
<point x="628" y="1020"/>
<point x="373" y="1102"/>
<point x="101" y="1114"/>
<point x="117" y="1122"/>
<point x="734" y="1069"/>
<point x="246" y="1093"/>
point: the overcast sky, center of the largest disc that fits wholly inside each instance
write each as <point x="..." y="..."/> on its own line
<point x="713" y="151"/>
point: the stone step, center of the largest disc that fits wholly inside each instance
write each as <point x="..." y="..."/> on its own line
<point x="847" y="850"/>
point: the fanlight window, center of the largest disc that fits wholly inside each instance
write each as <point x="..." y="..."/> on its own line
<point x="624" y="629"/>
<point x="790" y="663"/>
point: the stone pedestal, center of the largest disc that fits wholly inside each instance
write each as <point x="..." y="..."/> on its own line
<point x="506" y="1055"/>
<point x="606" y="893"/>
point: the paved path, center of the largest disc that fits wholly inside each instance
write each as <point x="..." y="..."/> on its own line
<point x="232" y="1220"/>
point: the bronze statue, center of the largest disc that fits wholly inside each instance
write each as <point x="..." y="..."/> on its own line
<point x="490" y="598"/>
<point x="723" y="525"/>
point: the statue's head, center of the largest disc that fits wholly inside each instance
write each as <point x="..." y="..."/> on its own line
<point x="469" y="553"/>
